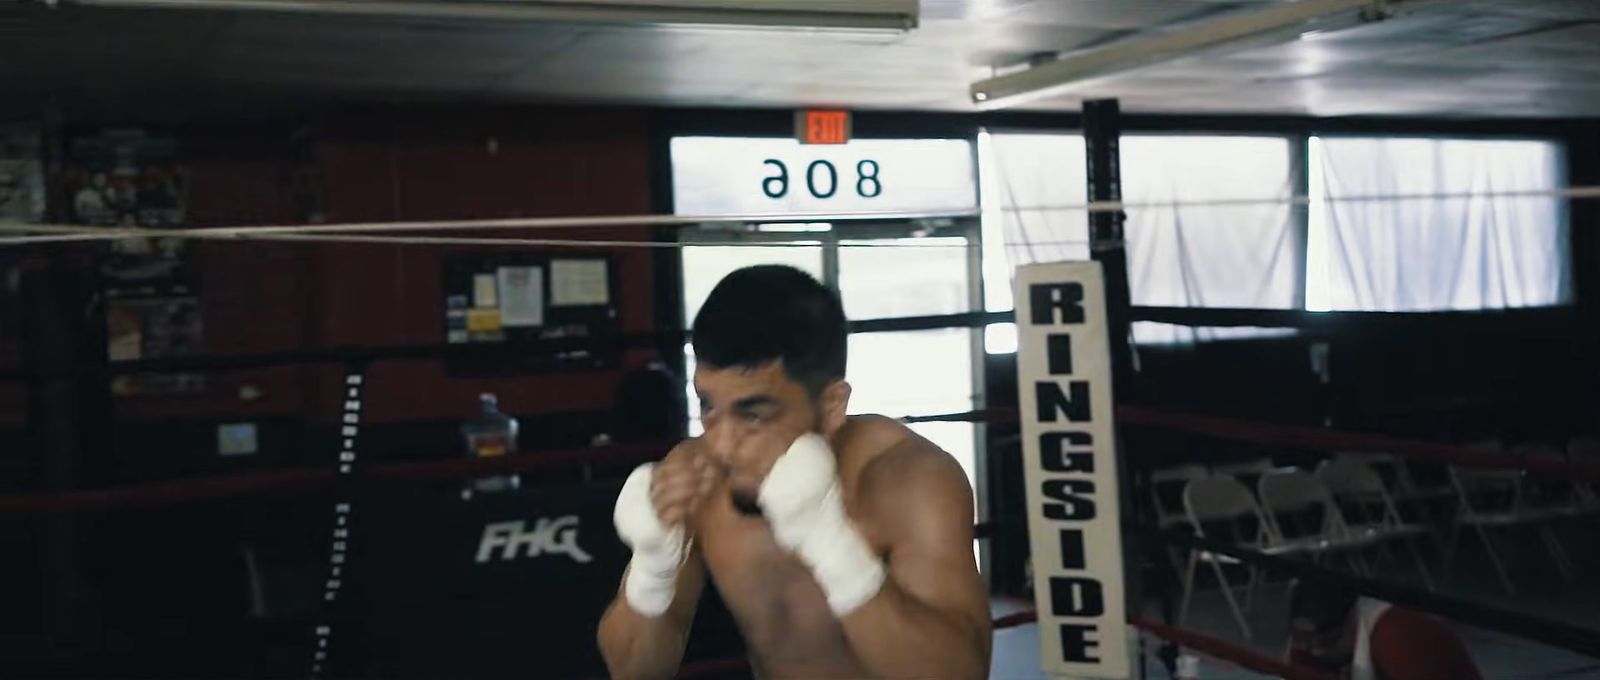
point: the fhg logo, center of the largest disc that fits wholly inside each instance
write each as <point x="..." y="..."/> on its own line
<point x="557" y="536"/>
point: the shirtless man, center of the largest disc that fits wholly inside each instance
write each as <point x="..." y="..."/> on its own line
<point x="842" y="545"/>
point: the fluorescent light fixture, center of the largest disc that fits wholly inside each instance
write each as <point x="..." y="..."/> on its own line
<point x="830" y="15"/>
<point x="794" y="227"/>
<point x="1272" y="25"/>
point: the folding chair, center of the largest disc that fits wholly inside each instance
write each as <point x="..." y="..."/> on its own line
<point x="1220" y="508"/>
<point x="1248" y="472"/>
<point x="1586" y="449"/>
<point x="1166" y="492"/>
<point x="1548" y="498"/>
<point x="1367" y="506"/>
<point x="1488" y="499"/>
<point x="1553" y="502"/>
<point x="1302" y="517"/>
<point x="1166" y="500"/>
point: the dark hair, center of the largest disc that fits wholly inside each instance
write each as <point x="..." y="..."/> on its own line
<point x="1325" y="605"/>
<point x="768" y="313"/>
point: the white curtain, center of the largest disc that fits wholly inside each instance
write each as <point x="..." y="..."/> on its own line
<point x="1031" y="177"/>
<point x="1191" y="256"/>
<point x="1210" y="256"/>
<point x="1025" y="178"/>
<point x="1480" y="252"/>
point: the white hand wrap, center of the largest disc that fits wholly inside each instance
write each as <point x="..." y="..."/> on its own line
<point x="658" y="550"/>
<point x="802" y="502"/>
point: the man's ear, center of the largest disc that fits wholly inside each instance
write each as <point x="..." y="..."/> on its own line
<point x="834" y="404"/>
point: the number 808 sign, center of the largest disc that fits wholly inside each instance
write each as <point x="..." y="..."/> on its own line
<point x="867" y="183"/>
<point x="744" y="176"/>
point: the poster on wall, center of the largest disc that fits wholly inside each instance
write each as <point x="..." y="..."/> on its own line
<point x="151" y="328"/>
<point x="130" y="179"/>
<point x="21" y="174"/>
<point x="134" y="179"/>
<point x="511" y="298"/>
<point x="22" y="200"/>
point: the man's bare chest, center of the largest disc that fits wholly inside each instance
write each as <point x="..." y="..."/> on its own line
<point x="769" y="591"/>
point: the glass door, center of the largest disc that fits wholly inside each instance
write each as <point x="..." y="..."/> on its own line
<point x="882" y="270"/>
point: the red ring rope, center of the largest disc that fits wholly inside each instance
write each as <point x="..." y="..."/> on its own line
<point x="189" y="490"/>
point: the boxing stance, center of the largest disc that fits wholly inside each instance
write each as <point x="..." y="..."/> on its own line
<point x="841" y="545"/>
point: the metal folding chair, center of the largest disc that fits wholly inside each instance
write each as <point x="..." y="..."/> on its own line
<point x="1581" y="449"/>
<point x="1221" y="508"/>
<point x="1248" y="472"/>
<point x="1166" y="501"/>
<point x="1488" y="499"/>
<point x="1302" y="517"/>
<point x="1367" y="506"/>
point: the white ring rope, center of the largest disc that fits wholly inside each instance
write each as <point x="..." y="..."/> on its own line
<point x="354" y="232"/>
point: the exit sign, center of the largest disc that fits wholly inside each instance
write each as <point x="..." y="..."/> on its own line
<point x="822" y="127"/>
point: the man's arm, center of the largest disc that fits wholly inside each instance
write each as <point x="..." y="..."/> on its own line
<point x="637" y="647"/>
<point x="930" y="619"/>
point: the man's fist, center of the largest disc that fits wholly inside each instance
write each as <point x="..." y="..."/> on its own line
<point x="681" y="481"/>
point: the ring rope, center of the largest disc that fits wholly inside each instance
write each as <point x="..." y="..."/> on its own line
<point x="44" y="233"/>
<point x="159" y="494"/>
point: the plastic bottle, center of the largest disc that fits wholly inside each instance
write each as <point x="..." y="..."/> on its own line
<point x="1188" y="667"/>
<point x="491" y="434"/>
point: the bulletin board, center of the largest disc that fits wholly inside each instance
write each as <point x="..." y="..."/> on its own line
<point x="503" y="299"/>
<point x="135" y="178"/>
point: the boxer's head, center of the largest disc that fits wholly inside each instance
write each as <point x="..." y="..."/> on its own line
<point x="1322" y="626"/>
<point x="769" y="347"/>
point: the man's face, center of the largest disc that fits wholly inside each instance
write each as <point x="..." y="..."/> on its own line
<point x="1329" y="648"/>
<point x="751" y="416"/>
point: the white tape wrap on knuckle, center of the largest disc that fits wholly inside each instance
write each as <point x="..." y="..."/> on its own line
<point x="657" y="549"/>
<point x="802" y="501"/>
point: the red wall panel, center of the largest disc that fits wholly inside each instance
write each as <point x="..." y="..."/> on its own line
<point x="443" y="165"/>
<point x="382" y="165"/>
<point x="252" y="294"/>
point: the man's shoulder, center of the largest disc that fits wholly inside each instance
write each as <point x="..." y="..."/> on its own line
<point x="893" y="463"/>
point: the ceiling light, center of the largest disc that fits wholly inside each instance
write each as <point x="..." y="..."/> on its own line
<point x="1272" y="25"/>
<point x="794" y="227"/>
<point x="828" y="15"/>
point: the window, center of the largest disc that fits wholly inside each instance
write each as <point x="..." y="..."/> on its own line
<point x="884" y="271"/>
<point x="1027" y="179"/>
<point x="1435" y="253"/>
<point x="882" y="268"/>
<point x="1210" y="256"/>
<point x="1236" y="256"/>
<point x="912" y="372"/>
<point x="1188" y="256"/>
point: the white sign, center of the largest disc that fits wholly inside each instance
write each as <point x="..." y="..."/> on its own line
<point x="507" y="541"/>
<point x="577" y="283"/>
<point x="1068" y="435"/>
<point x="743" y="176"/>
<point x="521" y="296"/>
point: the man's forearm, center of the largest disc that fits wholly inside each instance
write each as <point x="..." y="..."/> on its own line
<point x="636" y="647"/>
<point x="897" y="636"/>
